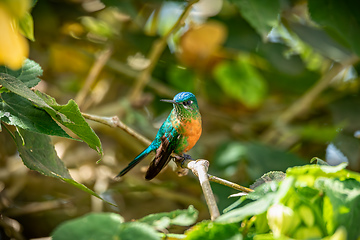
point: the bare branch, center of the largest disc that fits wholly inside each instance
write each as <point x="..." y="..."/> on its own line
<point x="229" y="184"/>
<point x="200" y="168"/>
<point x="115" y="122"/>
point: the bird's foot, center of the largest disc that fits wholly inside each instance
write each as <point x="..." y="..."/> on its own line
<point x="187" y="156"/>
<point x="179" y="160"/>
<point x="183" y="157"/>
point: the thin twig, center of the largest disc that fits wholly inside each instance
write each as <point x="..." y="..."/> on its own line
<point x="93" y="74"/>
<point x="304" y="103"/>
<point x="155" y="53"/>
<point x="200" y="168"/>
<point x="229" y="184"/>
<point x="115" y="122"/>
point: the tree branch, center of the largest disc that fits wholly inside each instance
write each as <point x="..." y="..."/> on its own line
<point x="200" y="168"/>
<point x="229" y="184"/>
<point x="115" y="122"/>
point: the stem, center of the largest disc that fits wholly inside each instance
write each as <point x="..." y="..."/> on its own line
<point x="115" y="122"/>
<point x="229" y="184"/>
<point x="155" y="53"/>
<point x="200" y="168"/>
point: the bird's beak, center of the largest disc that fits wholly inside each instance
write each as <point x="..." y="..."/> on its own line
<point x="169" y="101"/>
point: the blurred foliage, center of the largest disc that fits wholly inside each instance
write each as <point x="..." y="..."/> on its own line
<point x="276" y="81"/>
<point x="313" y="201"/>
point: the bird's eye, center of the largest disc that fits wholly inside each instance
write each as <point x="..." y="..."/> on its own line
<point x="187" y="103"/>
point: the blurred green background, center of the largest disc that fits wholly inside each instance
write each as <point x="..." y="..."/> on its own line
<point x="276" y="81"/>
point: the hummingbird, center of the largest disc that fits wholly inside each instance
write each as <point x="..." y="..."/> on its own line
<point x="178" y="134"/>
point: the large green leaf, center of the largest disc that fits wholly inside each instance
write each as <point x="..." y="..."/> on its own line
<point x="28" y="73"/>
<point x="241" y="81"/>
<point x="178" y="217"/>
<point x="266" y="194"/>
<point x="17" y="86"/>
<point x="269" y="177"/>
<point x="68" y="115"/>
<point x="77" y="123"/>
<point x="343" y="209"/>
<point x="262" y="15"/>
<point x="213" y="231"/>
<point x="18" y="111"/>
<point x="251" y="209"/>
<point x="317" y="171"/>
<point x="137" y="230"/>
<point x="38" y="153"/>
<point x="103" y="226"/>
<point x="260" y="192"/>
<point x="341" y="18"/>
<point x="92" y="226"/>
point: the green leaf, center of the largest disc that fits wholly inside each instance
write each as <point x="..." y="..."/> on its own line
<point x="262" y="15"/>
<point x="319" y="161"/>
<point x="38" y="153"/>
<point x="250" y="209"/>
<point x="269" y="177"/>
<point x="317" y="171"/>
<point x="26" y="25"/>
<point x="178" y="217"/>
<point x="241" y="81"/>
<point x="137" y="230"/>
<point x="103" y="226"/>
<point x="213" y="231"/>
<point x="77" y="123"/>
<point x="91" y="226"/>
<point x="17" y="86"/>
<point x="68" y="115"/>
<point x="18" y="111"/>
<point x="266" y="194"/>
<point x="259" y="192"/>
<point x="343" y="209"/>
<point x="28" y="73"/>
<point x="341" y="18"/>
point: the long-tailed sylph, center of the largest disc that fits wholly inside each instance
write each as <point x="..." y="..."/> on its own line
<point x="178" y="134"/>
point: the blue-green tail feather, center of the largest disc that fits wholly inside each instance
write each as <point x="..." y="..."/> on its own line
<point x="136" y="160"/>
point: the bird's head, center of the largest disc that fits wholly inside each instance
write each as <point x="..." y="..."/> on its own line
<point x="185" y="103"/>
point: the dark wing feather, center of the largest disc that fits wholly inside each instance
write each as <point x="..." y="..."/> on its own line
<point x="162" y="155"/>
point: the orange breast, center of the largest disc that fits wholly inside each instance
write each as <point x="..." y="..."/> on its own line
<point x="191" y="132"/>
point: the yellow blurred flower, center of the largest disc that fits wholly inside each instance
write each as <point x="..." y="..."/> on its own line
<point x="14" y="47"/>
